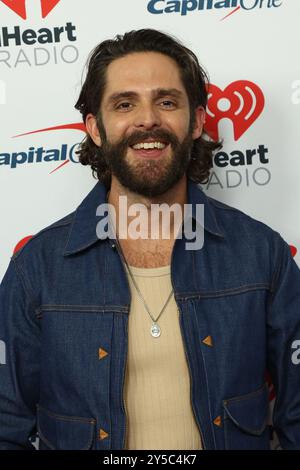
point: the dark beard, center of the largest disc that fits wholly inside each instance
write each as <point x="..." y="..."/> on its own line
<point x="147" y="177"/>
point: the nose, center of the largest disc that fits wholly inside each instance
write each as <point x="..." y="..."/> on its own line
<point x="147" y="116"/>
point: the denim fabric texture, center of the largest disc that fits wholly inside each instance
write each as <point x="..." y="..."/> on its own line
<point x="64" y="306"/>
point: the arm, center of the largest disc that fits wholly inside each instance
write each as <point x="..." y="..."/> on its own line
<point x="19" y="369"/>
<point x="283" y="330"/>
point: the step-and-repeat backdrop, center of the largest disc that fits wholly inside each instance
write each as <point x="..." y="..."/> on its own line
<point x="250" y="49"/>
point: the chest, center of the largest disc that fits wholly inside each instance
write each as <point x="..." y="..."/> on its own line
<point x="149" y="254"/>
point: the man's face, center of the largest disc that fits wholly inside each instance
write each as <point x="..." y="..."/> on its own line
<point x="144" y="122"/>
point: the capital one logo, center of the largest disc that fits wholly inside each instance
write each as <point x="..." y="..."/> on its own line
<point x="242" y="102"/>
<point x="19" y="7"/>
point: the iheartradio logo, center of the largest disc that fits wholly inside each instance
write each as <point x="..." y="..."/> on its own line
<point x="242" y="102"/>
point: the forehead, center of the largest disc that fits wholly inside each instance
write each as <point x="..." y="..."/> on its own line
<point x="142" y="72"/>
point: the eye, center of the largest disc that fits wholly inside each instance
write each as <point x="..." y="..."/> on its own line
<point x="124" y="106"/>
<point x="168" y="104"/>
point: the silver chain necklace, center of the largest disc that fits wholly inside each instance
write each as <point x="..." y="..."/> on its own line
<point x="155" y="329"/>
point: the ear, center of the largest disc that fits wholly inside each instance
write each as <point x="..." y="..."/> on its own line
<point x="199" y="122"/>
<point x="92" y="129"/>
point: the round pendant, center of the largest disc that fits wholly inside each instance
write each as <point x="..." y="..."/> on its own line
<point x="155" y="330"/>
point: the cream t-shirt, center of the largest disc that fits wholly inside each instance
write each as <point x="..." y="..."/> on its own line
<point x="157" y="382"/>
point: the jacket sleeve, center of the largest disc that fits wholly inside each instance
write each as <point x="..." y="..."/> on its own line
<point x="283" y="330"/>
<point x="19" y="361"/>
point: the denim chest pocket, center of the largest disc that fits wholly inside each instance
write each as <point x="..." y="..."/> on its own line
<point x="58" y="432"/>
<point x="246" y="421"/>
<point x="76" y="347"/>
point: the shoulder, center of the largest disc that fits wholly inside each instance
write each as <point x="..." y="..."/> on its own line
<point x="247" y="237"/>
<point x="51" y="237"/>
<point x="236" y="220"/>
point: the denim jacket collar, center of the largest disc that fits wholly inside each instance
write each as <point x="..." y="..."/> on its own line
<point x="83" y="234"/>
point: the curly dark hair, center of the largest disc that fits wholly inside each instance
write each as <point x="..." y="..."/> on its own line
<point x="193" y="76"/>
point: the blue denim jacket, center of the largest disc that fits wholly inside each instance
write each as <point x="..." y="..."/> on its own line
<point x="64" y="306"/>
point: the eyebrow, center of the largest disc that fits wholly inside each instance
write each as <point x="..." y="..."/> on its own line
<point x="158" y="93"/>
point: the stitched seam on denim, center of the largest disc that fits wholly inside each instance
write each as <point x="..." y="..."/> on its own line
<point x="70" y="230"/>
<point x="255" y="432"/>
<point x="275" y="280"/>
<point x="83" y="307"/>
<point x="90" y="441"/>
<point x="230" y="294"/>
<point x="225" y="429"/>
<point x="122" y="377"/>
<point x="78" y="308"/>
<point x="21" y="277"/>
<point x="110" y="379"/>
<point x="273" y="291"/>
<point x="276" y="272"/>
<point x="187" y="296"/>
<point x="46" y="441"/>
<point x="194" y="270"/>
<point x="41" y="434"/>
<point x="245" y="397"/>
<point x="236" y="290"/>
<point x="39" y="316"/>
<point x="207" y="385"/>
<point x="243" y="288"/>
<point x="67" y="418"/>
<point x="83" y="247"/>
<point x="112" y="326"/>
<point x="217" y="225"/>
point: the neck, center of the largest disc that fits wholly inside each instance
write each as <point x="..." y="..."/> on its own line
<point x="147" y="250"/>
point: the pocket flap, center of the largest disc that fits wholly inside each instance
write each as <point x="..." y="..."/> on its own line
<point x="64" y="432"/>
<point x="249" y="412"/>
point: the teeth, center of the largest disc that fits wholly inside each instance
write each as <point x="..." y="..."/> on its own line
<point x="149" y="145"/>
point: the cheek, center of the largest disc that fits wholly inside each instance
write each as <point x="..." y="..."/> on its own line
<point x="178" y="124"/>
<point x="181" y="131"/>
<point x="115" y="130"/>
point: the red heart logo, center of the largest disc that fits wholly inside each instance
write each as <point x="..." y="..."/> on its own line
<point x="242" y="102"/>
<point x="19" y="6"/>
<point x="47" y="6"/>
<point x="22" y="243"/>
<point x="293" y="250"/>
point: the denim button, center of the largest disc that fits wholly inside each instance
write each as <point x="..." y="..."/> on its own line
<point x="218" y="421"/>
<point x="102" y="353"/>
<point x="208" y="341"/>
<point x="102" y="435"/>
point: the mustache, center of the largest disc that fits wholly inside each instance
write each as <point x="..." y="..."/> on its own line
<point x="158" y="134"/>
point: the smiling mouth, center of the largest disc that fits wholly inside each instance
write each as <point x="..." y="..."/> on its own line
<point x="150" y="149"/>
<point x="160" y="145"/>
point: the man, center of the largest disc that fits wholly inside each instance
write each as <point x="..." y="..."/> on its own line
<point x="126" y="342"/>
